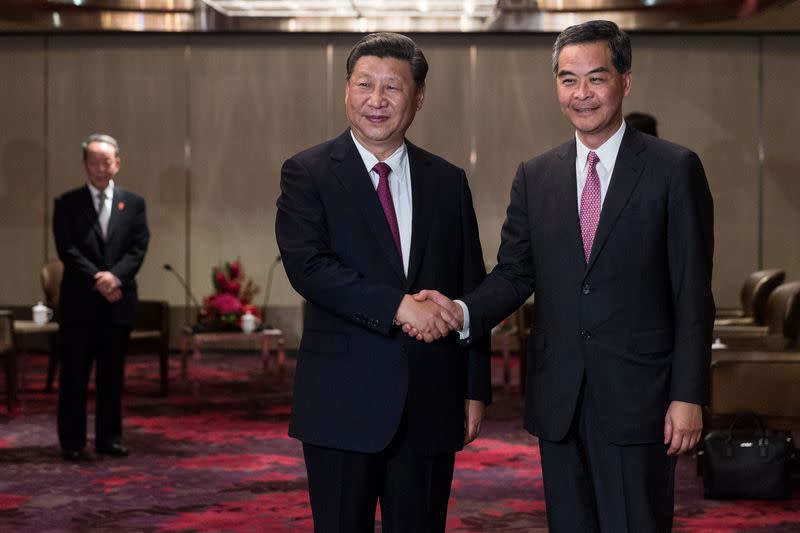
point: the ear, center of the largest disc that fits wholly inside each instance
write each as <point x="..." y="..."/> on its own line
<point x="420" y="97"/>
<point x="626" y="83"/>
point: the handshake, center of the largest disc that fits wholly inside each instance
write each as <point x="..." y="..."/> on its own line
<point x="429" y="315"/>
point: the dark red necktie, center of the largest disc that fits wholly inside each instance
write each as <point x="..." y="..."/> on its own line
<point x="385" y="196"/>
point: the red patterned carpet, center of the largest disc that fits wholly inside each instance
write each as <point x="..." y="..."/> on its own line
<point x="221" y="461"/>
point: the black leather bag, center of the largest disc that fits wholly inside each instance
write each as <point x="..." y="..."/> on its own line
<point x="753" y="465"/>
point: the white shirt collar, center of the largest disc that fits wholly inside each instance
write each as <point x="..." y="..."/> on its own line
<point x="606" y="152"/>
<point x="109" y="191"/>
<point x="396" y="161"/>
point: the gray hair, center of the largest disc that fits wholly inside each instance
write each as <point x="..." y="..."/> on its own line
<point x="99" y="138"/>
<point x="395" y="45"/>
<point x="597" y="30"/>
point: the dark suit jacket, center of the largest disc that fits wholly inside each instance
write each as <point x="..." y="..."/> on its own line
<point x="83" y="251"/>
<point x="637" y="320"/>
<point x="356" y="371"/>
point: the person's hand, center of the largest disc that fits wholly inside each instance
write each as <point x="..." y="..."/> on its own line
<point x="682" y="427"/>
<point x="474" y="411"/>
<point x="105" y="282"/>
<point x="430" y="321"/>
<point x="114" y="295"/>
<point x="448" y="308"/>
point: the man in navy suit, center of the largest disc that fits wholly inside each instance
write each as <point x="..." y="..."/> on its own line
<point x="365" y="220"/>
<point x="613" y="232"/>
<point x="101" y="236"/>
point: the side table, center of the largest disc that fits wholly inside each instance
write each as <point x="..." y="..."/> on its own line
<point x="197" y="340"/>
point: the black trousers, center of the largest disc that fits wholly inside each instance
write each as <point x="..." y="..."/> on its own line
<point x="345" y="486"/>
<point x="80" y="346"/>
<point x="592" y="485"/>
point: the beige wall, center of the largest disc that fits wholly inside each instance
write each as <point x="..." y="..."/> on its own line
<point x="206" y="120"/>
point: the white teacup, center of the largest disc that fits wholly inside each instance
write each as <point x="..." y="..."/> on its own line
<point x="41" y="314"/>
<point x="248" y="322"/>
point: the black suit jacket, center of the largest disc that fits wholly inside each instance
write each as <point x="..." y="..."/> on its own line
<point x="637" y="320"/>
<point x="83" y="251"/>
<point x="356" y="371"/>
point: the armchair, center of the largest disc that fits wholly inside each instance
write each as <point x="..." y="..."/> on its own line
<point x="754" y="295"/>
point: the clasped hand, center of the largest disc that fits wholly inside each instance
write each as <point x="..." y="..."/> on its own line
<point x="107" y="285"/>
<point x="429" y="315"/>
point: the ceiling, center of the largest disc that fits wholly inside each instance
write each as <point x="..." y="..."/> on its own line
<point x="371" y="15"/>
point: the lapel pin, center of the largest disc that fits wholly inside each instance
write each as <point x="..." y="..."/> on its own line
<point x="121" y="206"/>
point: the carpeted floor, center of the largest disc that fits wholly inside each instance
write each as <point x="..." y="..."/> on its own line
<point x="220" y="460"/>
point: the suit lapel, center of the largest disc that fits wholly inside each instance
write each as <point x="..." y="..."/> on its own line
<point x="348" y="167"/>
<point x="116" y="213"/>
<point x="424" y="191"/>
<point x="627" y="171"/>
<point x="567" y="196"/>
<point x="91" y="215"/>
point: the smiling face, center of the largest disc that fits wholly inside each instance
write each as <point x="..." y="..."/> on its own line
<point x="590" y="91"/>
<point x="381" y="99"/>
<point x="101" y="164"/>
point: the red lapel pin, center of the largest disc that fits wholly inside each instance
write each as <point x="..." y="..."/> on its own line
<point x="121" y="206"/>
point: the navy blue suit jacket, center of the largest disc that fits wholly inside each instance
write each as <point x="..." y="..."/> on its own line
<point x="636" y="321"/>
<point x="356" y="370"/>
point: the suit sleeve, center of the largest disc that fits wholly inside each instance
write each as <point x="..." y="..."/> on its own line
<point x="511" y="281"/>
<point x="479" y="381"/>
<point x="66" y="239"/>
<point x="313" y="267"/>
<point x="690" y="246"/>
<point x="131" y="261"/>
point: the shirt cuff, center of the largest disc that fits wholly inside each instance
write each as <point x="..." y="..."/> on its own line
<point x="463" y="333"/>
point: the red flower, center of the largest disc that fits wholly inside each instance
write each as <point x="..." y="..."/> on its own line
<point x="233" y="287"/>
<point x="234" y="269"/>
<point x="225" y="303"/>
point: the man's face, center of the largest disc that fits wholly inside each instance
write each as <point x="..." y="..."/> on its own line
<point x="590" y="91"/>
<point x="101" y="164"/>
<point x="381" y="100"/>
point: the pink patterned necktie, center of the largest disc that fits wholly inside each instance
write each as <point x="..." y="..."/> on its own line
<point x="385" y="196"/>
<point x="590" y="205"/>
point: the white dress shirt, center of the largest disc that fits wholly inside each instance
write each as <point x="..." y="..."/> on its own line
<point x="607" y="155"/>
<point x="399" y="186"/>
<point x="109" y="197"/>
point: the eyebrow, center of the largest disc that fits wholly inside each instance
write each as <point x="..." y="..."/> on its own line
<point x="562" y="73"/>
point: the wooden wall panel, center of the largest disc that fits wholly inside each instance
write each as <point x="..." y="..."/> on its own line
<point x="781" y="130"/>
<point x="134" y="88"/>
<point x="704" y="92"/>
<point x="255" y="100"/>
<point x="23" y="223"/>
<point x="515" y="117"/>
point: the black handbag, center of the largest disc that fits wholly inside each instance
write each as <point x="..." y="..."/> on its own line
<point x="752" y="465"/>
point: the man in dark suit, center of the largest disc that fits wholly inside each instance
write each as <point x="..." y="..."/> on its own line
<point x="364" y="220"/>
<point x="613" y="232"/>
<point x="101" y="236"/>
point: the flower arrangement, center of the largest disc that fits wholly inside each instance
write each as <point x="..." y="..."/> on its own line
<point x="233" y="294"/>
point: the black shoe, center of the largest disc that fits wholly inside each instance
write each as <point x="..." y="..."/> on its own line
<point x="74" y="456"/>
<point x="115" y="450"/>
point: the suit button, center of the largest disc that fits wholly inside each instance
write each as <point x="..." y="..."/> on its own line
<point x="585" y="335"/>
<point x="586" y="288"/>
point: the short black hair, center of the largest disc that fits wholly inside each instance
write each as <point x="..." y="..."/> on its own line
<point x="643" y="122"/>
<point x="99" y="138"/>
<point x="597" y="30"/>
<point x="386" y="44"/>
